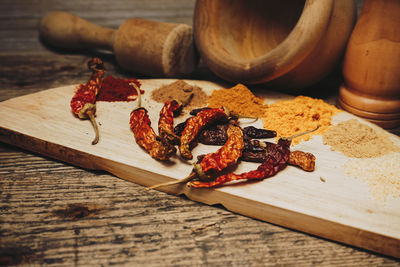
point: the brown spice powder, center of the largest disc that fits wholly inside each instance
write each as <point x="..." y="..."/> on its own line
<point x="181" y="91"/>
<point x="239" y="100"/>
<point x="358" y="140"/>
<point x="290" y="117"/>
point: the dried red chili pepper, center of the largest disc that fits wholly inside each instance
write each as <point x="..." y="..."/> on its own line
<point x="83" y="103"/>
<point x="170" y="110"/>
<point x="195" y="124"/>
<point x="305" y="161"/>
<point x="225" y="156"/>
<point x="146" y="137"/>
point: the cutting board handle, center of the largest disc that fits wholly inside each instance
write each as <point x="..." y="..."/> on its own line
<point x="65" y="30"/>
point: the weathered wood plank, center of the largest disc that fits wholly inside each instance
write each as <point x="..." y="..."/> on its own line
<point x="104" y="220"/>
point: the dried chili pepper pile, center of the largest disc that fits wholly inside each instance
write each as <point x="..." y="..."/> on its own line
<point x="256" y="150"/>
<point x="275" y="161"/>
<point x="237" y="144"/>
<point x="212" y="126"/>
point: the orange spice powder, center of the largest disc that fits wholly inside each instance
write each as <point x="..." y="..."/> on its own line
<point x="301" y="114"/>
<point x="239" y="100"/>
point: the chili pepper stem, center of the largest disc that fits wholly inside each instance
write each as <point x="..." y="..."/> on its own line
<point x="90" y="114"/>
<point x="290" y="138"/>
<point x="138" y="93"/>
<point x="243" y="116"/>
<point x="191" y="176"/>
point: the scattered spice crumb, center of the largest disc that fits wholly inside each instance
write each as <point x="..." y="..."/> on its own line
<point x="322" y="179"/>
<point x="290" y="117"/>
<point x="238" y="100"/>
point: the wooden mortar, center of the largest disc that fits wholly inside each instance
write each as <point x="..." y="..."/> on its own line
<point x="143" y="46"/>
<point x="287" y="44"/>
<point x="371" y="66"/>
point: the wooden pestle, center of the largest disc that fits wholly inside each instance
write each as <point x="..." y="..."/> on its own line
<point x="142" y="46"/>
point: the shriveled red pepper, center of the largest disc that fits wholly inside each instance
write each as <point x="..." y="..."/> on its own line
<point x="170" y="110"/>
<point x="146" y="137"/>
<point x="83" y="103"/>
<point x="225" y="156"/>
<point x="275" y="161"/>
<point x="195" y="124"/>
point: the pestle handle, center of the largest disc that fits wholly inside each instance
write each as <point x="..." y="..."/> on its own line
<point x="65" y="30"/>
<point x="143" y="46"/>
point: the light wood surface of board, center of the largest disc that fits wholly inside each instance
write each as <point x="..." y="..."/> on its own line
<point x="342" y="208"/>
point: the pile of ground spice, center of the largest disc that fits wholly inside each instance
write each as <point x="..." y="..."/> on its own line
<point x="290" y="117"/>
<point x="117" y="89"/>
<point x="181" y="91"/>
<point x="375" y="159"/>
<point x="239" y="100"/>
<point x="382" y="174"/>
<point x="358" y="140"/>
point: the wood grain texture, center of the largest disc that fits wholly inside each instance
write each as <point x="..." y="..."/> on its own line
<point x="271" y="44"/>
<point x="53" y="213"/>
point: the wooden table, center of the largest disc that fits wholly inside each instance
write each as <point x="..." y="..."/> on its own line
<point x="53" y="213"/>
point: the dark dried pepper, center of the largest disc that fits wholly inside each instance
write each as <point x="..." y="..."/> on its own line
<point x="215" y="135"/>
<point x="253" y="132"/>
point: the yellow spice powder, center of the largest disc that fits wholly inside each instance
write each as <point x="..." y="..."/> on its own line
<point x="301" y="114"/>
<point x="238" y="100"/>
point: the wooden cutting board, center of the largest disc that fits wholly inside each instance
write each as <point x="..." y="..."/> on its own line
<point x="326" y="202"/>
